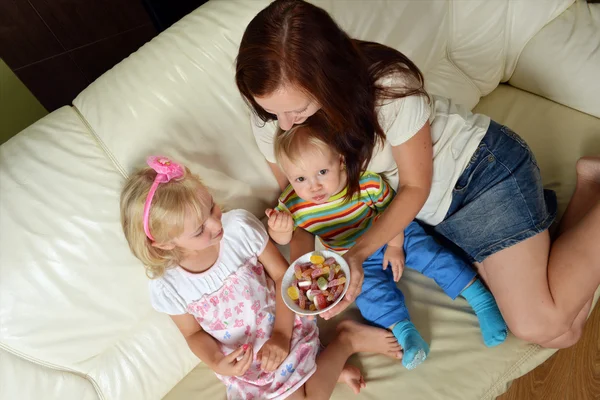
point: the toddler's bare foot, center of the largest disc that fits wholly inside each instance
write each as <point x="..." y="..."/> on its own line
<point x="352" y="377"/>
<point x="363" y="338"/>
<point x="588" y="169"/>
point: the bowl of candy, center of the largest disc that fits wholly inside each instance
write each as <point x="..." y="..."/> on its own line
<point x="315" y="282"/>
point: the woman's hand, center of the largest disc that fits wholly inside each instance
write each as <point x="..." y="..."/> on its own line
<point x="357" y="276"/>
<point x="273" y="352"/>
<point x="229" y="365"/>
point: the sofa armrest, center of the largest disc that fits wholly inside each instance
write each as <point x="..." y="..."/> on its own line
<point x="22" y="379"/>
<point x="562" y="61"/>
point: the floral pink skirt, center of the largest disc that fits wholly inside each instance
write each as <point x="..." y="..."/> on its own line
<point x="243" y="311"/>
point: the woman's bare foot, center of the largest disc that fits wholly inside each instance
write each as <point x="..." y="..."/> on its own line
<point x="588" y="169"/>
<point x="352" y="377"/>
<point x="363" y="338"/>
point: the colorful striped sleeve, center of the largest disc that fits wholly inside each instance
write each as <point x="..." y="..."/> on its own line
<point x="281" y="206"/>
<point x="378" y="191"/>
<point x="284" y="199"/>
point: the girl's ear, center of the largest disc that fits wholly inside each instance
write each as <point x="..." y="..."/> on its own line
<point x="342" y="162"/>
<point x="163" y="246"/>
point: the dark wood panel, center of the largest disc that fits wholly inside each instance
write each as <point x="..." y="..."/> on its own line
<point x="24" y="38"/>
<point x="55" y="82"/>
<point x="99" y="57"/>
<point x="571" y="374"/>
<point x="80" y="22"/>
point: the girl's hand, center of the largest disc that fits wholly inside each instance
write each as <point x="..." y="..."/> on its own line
<point x="357" y="276"/>
<point x="280" y="222"/>
<point x="273" y="352"/>
<point x="394" y="256"/>
<point x="229" y="364"/>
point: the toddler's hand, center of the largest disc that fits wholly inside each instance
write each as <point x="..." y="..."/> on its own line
<point x="280" y="222"/>
<point x="394" y="256"/>
<point x="273" y="352"/>
<point x="229" y="365"/>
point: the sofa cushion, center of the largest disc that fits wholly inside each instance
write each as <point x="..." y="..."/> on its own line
<point x="569" y="50"/>
<point x="22" y="379"/>
<point x="71" y="293"/>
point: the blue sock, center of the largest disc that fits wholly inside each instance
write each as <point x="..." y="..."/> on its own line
<point x="415" y="348"/>
<point x="493" y="327"/>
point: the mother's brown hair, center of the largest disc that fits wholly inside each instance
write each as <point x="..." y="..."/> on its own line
<point x="292" y="42"/>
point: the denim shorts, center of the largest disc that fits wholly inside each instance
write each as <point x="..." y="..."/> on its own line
<point x="499" y="199"/>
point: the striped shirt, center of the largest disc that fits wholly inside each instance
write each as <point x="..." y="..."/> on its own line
<point x="337" y="223"/>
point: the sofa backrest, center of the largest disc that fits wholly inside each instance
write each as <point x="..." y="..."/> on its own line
<point x="177" y="93"/>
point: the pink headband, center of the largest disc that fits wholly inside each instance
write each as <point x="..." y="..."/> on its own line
<point x="165" y="171"/>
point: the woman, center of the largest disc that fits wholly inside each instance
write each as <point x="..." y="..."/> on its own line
<point x="474" y="181"/>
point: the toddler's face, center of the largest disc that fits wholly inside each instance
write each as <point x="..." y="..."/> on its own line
<point x="199" y="236"/>
<point x="318" y="176"/>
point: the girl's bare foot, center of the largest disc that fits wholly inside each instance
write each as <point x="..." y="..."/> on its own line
<point x="363" y="338"/>
<point x="588" y="169"/>
<point x="352" y="377"/>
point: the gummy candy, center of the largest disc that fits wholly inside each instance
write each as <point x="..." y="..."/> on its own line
<point x="320" y="302"/>
<point x="298" y="271"/>
<point x="336" y="282"/>
<point x="317" y="283"/>
<point x="293" y="292"/>
<point x="304" y="284"/>
<point x="319" y="271"/>
<point x="322" y="283"/>
<point x="315" y="259"/>
<point x="329" y="261"/>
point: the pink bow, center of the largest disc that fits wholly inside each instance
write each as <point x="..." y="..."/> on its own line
<point x="165" y="171"/>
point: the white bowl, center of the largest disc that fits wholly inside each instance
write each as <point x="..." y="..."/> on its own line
<point x="289" y="277"/>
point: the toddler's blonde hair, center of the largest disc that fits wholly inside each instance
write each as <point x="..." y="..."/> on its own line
<point x="298" y="140"/>
<point x="171" y="203"/>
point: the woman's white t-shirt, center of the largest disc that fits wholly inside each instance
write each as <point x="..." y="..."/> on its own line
<point x="455" y="132"/>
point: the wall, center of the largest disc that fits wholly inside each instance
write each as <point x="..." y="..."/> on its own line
<point x="58" y="47"/>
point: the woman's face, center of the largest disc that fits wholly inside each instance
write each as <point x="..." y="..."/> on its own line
<point x="291" y="106"/>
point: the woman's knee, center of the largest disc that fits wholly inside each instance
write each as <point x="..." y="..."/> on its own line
<point x="539" y="329"/>
<point x="566" y="340"/>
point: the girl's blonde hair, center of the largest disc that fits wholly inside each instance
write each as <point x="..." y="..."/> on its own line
<point x="171" y="203"/>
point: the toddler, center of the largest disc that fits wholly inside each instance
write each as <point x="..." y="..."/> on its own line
<point x="317" y="201"/>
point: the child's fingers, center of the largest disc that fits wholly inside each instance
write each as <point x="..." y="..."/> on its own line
<point x="269" y="212"/>
<point x="272" y="361"/>
<point x="400" y="271"/>
<point x="243" y="365"/>
<point x="386" y="262"/>
<point x="288" y="221"/>
<point x="231" y="357"/>
<point x="278" y="220"/>
<point x="396" y="271"/>
<point x="264" y="359"/>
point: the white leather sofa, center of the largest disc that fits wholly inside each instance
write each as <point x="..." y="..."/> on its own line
<point x="75" y="319"/>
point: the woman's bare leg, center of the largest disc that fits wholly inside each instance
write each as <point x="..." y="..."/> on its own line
<point x="573" y="335"/>
<point x="352" y="338"/>
<point x="543" y="291"/>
